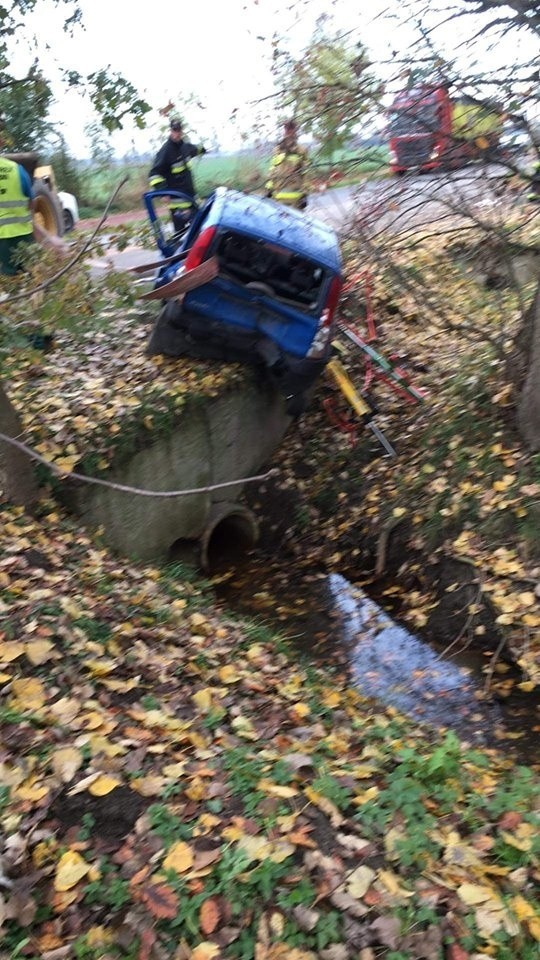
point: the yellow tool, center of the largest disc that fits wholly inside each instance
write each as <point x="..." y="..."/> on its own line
<point x="337" y="371"/>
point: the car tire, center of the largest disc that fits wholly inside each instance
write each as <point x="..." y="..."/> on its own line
<point x="69" y="222"/>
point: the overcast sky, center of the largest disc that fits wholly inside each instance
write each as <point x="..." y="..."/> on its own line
<point x="218" y="50"/>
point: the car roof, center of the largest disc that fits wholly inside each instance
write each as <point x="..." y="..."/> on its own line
<point x="275" y="223"/>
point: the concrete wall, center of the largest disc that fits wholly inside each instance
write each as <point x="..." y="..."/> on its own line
<point x="216" y="440"/>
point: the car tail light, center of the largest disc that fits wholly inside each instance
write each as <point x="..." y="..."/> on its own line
<point x="324" y="330"/>
<point x="200" y="248"/>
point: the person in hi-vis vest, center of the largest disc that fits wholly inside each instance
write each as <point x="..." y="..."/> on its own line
<point x="16" y="227"/>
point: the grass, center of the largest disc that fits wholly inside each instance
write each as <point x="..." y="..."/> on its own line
<point x="245" y="171"/>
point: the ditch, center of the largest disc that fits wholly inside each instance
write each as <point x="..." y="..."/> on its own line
<point x="335" y="624"/>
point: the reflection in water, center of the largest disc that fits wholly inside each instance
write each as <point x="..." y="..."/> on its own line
<point x="391" y="664"/>
<point x="333" y="622"/>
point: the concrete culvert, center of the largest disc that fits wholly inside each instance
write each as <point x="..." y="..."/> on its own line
<point x="231" y="530"/>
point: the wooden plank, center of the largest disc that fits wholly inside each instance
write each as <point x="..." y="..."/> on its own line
<point x="188" y="281"/>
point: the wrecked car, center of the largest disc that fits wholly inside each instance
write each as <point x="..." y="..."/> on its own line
<point x="268" y="297"/>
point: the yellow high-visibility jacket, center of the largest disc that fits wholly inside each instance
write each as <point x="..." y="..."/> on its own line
<point x="287" y="172"/>
<point x="15" y="216"/>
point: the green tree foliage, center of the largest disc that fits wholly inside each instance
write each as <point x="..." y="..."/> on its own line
<point x="329" y="89"/>
<point x="66" y="169"/>
<point x="25" y="100"/>
<point x="24" y="107"/>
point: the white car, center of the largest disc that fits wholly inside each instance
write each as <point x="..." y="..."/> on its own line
<point x="70" y="210"/>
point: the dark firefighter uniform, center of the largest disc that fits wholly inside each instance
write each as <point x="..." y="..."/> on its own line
<point x="172" y="169"/>
<point x="15" y="216"/>
<point x="287" y="173"/>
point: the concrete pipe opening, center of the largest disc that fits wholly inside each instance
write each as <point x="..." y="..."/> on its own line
<point x="231" y="530"/>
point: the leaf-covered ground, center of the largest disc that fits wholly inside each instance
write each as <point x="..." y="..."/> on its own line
<point x="96" y="395"/>
<point x="174" y="784"/>
<point x="462" y="494"/>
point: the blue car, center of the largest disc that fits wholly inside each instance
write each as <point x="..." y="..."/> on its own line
<point x="272" y="298"/>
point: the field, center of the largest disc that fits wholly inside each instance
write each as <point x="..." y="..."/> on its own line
<point x="246" y="171"/>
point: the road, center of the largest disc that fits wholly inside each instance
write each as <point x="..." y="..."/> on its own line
<point x="401" y="203"/>
<point x="395" y="204"/>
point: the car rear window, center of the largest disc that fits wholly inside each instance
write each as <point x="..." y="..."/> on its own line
<point x="274" y="270"/>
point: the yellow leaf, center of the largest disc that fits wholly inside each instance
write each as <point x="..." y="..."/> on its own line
<point x="325" y="805"/>
<point x="391" y="882"/>
<point x="70" y="869"/>
<point x="331" y="698"/>
<point x="398" y="511"/>
<point x="231" y="834"/>
<point x="150" y="786"/>
<point x="179" y="857"/>
<point x="526" y="685"/>
<point x="98" y="937"/>
<point x="523" y="843"/>
<point x="228" y="674"/>
<point x="256" y="848"/>
<point x="472" y="893"/>
<point x="359" y="881"/>
<point x="103" y="785"/>
<point x="302" y="710"/>
<point x="205" y="951"/>
<point x="533" y="926"/>
<point x="10" y="650"/>
<point x="365" y="796"/>
<point x="93" y="720"/>
<point x="65" y="762"/>
<point x="522" y="909"/>
<point x="100" y="668"/>
<point x="27" y="694"/>
<point x="203" y="699"/>
<point x="66" y="463"/>
<point x="280" y="850"/>
<point x="277" y="924"/>
<point x="38" y="651"/>
<point x="276" y="790"/>
<point x="30" y="790"/>
<point x="243" y="727"/>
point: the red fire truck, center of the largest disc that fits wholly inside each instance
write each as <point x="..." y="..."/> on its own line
<point x="428" y="129"/>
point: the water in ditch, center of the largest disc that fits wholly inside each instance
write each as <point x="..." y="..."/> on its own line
<point x="334" y="622"/>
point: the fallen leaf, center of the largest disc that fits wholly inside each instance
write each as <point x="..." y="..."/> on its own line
<point x="65" y="763"/>
<point x="205" y="951"/>
<point x="160" y="900"/>
<point x="38" y="651"/>
<point x="305" y="918"/>
<point x="209" y="916"/>
<point x="359" y="881"/>
<point x="70" y="869"/>
<point x="103" y="785"/>
<point x="473" y="893"/>
<point x="179" y="857"/>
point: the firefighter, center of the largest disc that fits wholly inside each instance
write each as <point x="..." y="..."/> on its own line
<point x="172" y="169"/>
<point x="287" y="170"/>
<point x="16" y="229"/>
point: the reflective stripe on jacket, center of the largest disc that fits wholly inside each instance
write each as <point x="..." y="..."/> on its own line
<point x="15" y="216"/>
<point x="287" y="168"/>
<point x="171" y="167"/>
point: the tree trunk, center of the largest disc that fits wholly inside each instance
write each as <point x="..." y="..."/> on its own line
<point x="17" y="481"/>
<point x="529" y="349"/>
